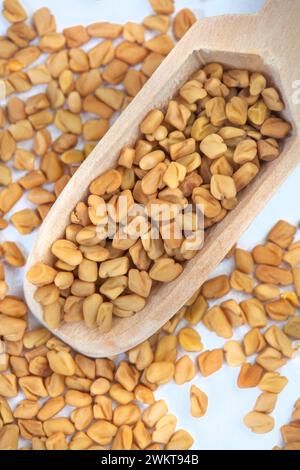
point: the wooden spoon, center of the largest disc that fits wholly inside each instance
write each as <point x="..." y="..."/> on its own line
<point x="267" y="42"/>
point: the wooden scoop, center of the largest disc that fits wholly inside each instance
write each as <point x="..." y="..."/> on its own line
<point x="268" y="42"/>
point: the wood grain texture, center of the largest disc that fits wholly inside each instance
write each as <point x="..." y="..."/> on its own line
<point x="268" y="42"/>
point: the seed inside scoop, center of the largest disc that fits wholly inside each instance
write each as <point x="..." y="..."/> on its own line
<point x="145" y="218"/>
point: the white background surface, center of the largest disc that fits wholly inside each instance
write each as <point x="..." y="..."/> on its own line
<point x="222" y="427"/>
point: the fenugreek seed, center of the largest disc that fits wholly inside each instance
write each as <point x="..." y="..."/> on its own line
<point x="100" y="387"/>
<point x="113" y="287"/>
<point x="241" y="281"/>
<point x="166" y="349"/>
<point x="236" y="111"/>
<point x="177" y="115"/>
<point x="257" y="83"/>
<point x="164" y="7"/>
<point x="244" y="261"/>
<point x="159" y="23"/>
<point x="47" y="295"/>
<point x="250" y="375"/>
<point x="127" y="376"/>
<point x="120" y="394"/>
<point x="272" y="382"/>
<point x="213" y="146"/>
<point x="165" y="270"/>
<point x="216" y="320"/>
<point x="162" y="44"/>
<point x="266" y="402"/>
<point x="123" y="439"/>
<point x="174" y="175"/>
<point x="141" y="435"/>
<point x="278" y="340"/>
<point x="77" y="399"/>
<point x="67" y="252"/>
<point x="290" y="434"/>
<point x="44" y="21"/>
<point x="180" y="440"/>
<point x="276" y="128"/>
<point x="54" y="425"/>
<point x="13" y="307"/>
<point x="234" y="354"/>
<point x="9" y="196"/>
<point x="19" y="366"/>
<point x="185" y="370"/>
<point x="26" y="409"/>
<point x="104" y="30"/>
<point x="216" y="287"/>
<point x="151" y="63"/>
<point x="259" y="423"/>
<point x="12" y="254"/>
<point x="126" y="415"/>
<point x="41" y="274"/>
<point x="141" y="355"/>
<point x="111" y="97"/>
<point x="51" y="408"/>
<point x="5" y="175"/>
<point x="254" y="342"/>
<point x="35" y="338"/>
<point x="76" y="36"/>
<point x="207" y="203"/>
<point x="152" y="122"/>
<point x="25" y="221"/>
<point x="193" y="91"/>
<point x="196" y="311"/>
<point x="144" y="395"/>
<point x="255" y="312"/>
<point x="52" y="314"/>
<point x="270" y="359"/>
<point x="190" y="340"/>
<point x="9" y="437"/>
<point x="282" y="234"/>
<point x="183" y="21"/>
<point x="210" y="362"/>
<point x="12" y="328"/>
<point x="269" y="254"/>
<point x="107" y="183"/>
<point x="103" y="408"/>
<point x="244" y="175"/>
<point x="61" y="363"/>
<point x="80" y="442"/>
<point x="292" y="328"/>
<point x="222" y="187"/>
<point x="104" y="318"/>
<point x="39" y="366"/>
<point x="274" y="275"/>
<point x="280" y="310"/>
<point x="33" y="387"/>
<point x="8" y="385"/>
<point x="52" y="42"/>
<point x="102" y="432"/>
<point x="198" y="402"/>
<point x="292" y="255"/>
<point x="245" y="151"/>
<point x="266" y="292"/>
<point x="7" y="146"/>
<point x="160" y="372"/>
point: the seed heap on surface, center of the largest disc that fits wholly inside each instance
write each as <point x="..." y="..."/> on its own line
<point x="203" y="150"/>
<point x="86" y="77"/>
<point x="111" y="403"/>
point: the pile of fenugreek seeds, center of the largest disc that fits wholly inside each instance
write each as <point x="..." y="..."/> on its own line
<point x="206" y="147"/>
